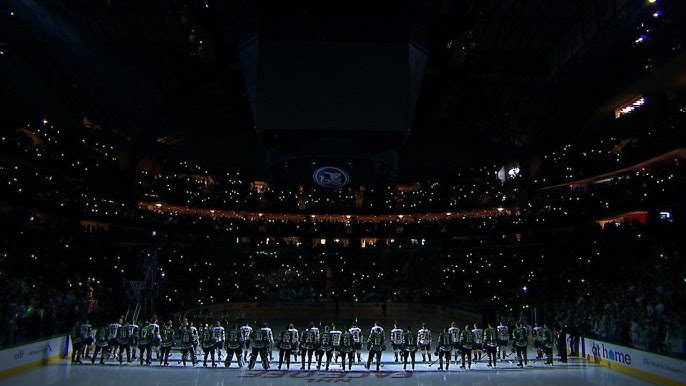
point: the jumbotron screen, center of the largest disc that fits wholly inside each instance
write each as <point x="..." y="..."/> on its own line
<point x="342" y="86"/>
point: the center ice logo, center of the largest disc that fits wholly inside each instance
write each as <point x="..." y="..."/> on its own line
<point x="317" y="377"/>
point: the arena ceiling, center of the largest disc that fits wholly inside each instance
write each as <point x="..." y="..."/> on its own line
<point x="504" y="77"/>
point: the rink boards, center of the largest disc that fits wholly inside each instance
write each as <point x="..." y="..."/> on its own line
<point x="27" y="356"/>
<point x="576" y="373"/>
<point x="601" y="355"/>
<point x="644" y="364"/>
<point x="44" y="366"/>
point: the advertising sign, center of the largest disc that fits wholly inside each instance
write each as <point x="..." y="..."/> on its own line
<point x="641" y="363"/>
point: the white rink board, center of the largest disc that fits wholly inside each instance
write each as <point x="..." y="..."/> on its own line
<point x="32" y="353"/>
<point x="29" y="355"/>
<point x="632" y="360"/>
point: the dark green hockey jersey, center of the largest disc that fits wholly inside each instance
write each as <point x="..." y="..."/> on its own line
<point x="376" y="342"/>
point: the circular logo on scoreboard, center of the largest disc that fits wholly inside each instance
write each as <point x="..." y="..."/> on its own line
<point x="331" y="177"/>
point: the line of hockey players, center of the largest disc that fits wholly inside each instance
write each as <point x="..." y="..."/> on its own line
<point x="463" y="346"/>
<point x="113" y="340"/>
<point x="467" y="345"/>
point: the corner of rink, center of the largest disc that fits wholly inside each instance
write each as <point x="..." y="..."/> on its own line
<point x="576" y="372"/>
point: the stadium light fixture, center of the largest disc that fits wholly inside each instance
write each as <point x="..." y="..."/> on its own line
<point x="629" y="106"/>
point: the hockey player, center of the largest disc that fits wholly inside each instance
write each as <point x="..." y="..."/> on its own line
<point x="561" y="338"/>
<point x="397" y="342"/>
<point x="270" y="338"/>
<point x="467" y="344"/>
<point x="424" y="340"/>
<point x="491" y="344"/>
<point x="444" y="346"/>
<point x="234" y="345"/>
<point x="296" y="340"/>
<point x="259" y="341"/>
<point x="376" y="344"/>
<point x="124" y="342"/>
<point x="503" y="339"/>
<point x="547" y="343"/>
<point x="166" y="342"/>
<point x="356" y="332"/>
<point x="285" y="345"/>
<point x="209" y="345"/>
<point x="114" y="327"/>
<point x="520" y="343"/>
<point x="308" y="345"/>
<point x="102" y="342"/>
<point x="195" y="336"/>
<point x="134" y="331"/>
<point x="347" y="347"/>
<point x="336" y="342"/>
<point x="454" y="332"/>
<point x="77" y="342"/>
<point x="145" y="339"/>
<point x="324" y="347"/>
<point x="218" y="334"/>
<point x="375" y="328"/>
<point x="87" y="337"/>
<point x="478" y="343"/>
<point x="186" y="333"/>
<point x="537" y="337"/>
<point x="409" y="347"/>
<point x="246" y="331"/>
<point x="157" y="338"/>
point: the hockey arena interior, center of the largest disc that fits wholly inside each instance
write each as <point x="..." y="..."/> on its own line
<point x="278" y="192"/>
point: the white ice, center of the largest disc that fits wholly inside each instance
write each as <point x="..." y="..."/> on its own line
<point x="575" y="373"/>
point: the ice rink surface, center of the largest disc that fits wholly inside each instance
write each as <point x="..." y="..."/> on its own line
<point x="574" y="373"/>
